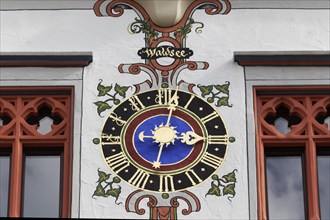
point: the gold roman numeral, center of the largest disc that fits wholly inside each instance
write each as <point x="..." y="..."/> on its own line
<point x="117" y="161"/>
<point x="189" y="101"/>
<point x="139" y="179"/>
<point x="117" y="119"/>
<point x="165" y="97"/>
<point x="210" y="117"/>
<point x="217" y="139"/>
<point x="110" y="140"/>
<point x="136" y="103"/>
<point x="189" y="174"/>
<point x="211" y="160"/>
<point x="163" y="183"/>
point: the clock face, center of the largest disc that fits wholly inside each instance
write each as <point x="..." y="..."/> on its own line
<point x="164" y="140"/>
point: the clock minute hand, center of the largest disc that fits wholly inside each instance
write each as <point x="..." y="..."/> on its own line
<point x="156" y="164"/>
<point x="173" y="102"/>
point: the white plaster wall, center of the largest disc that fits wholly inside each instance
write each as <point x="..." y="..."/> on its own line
<point x="112" y="45"/>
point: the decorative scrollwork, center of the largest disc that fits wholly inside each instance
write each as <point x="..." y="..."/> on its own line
<point x="145" y="27"/>
<point x="176" y="204"/>
<point x="183" y="31"/>
<point x="134" y="199"/>
<point x="191" y="65"/>
<point x="136" y="68"/>
<point x="167" y="205"/>
<point x="217" y="7"/>
<point x="114" y="8"/>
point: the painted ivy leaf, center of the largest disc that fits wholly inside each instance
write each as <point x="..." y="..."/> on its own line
<point x="99" y="191"/>
<point x="205" y="90"/>
<point x="102" y="106"/>
<point x="230" y="177"/>
<point x="223" y="101"/>
<point x="214" y="190"/>
<point x="223" y="88"/>
<point x="229" y="189"/>
<point x="103" y="176"/>
<point x="103" y="90"/>
<point x="115" y="192"/>
<point x="187" y="29"/>
<point x="121" y="90"/>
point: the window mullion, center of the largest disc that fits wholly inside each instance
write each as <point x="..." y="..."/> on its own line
<point x="262" y="203"/>
<point x="66" y="173"/>
<point x="311" y="178"/>
<point x="260" y="155"/>
<point x="16" y="180"/>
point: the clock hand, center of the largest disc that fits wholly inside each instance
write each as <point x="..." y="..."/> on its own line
<point x="173" y="102"/>
<point x="142" y="136"/>
<point x="156" y="164"/>
<point x="190" y="138"/>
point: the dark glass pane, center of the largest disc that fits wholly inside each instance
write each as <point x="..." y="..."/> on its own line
<point x="323" y="163"/>
<point x="42" y="186"/>
<point x="285" y="189"/>
<point x="4" y="185"/>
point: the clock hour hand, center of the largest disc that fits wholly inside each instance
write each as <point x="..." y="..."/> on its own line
<point x="190" y="138"/>
<point x="166" y="135"/>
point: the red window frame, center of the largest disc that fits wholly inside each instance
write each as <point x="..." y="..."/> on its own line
<point x="20" y="102"/>
<point x="308" y="134"/>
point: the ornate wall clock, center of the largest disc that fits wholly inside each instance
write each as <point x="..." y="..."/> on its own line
<point x="164" y="140"/>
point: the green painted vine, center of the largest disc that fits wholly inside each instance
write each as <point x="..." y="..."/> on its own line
<point x="105" y="187"/>
<point x="143" y="26"/>
<point x="224" y="186"/>
<point x="111" y="96"/>
<point x="218" y="94"/>
<point x="184" y="31"/>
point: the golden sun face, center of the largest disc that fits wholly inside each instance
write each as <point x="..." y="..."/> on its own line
<point x="164" y="134"/>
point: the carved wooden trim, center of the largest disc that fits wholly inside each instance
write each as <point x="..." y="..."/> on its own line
<point x="18" y="134"/>
<point x="307" y="133"/>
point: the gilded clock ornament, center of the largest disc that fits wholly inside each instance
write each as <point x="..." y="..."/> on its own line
<point x="164" y="140"/>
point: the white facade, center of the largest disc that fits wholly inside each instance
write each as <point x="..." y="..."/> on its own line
<point x="77" y="30"/>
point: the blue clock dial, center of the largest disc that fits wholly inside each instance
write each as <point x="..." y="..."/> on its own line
<point x="149" y="148"/>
